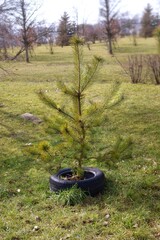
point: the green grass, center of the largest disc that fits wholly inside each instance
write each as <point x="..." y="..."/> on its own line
<point x="129" y="208"/>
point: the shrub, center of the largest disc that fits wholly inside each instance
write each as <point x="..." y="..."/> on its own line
<point x="134" y="68"/>
<point x="153" y="62"/>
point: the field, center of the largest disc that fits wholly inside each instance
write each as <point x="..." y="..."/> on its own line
<point x="130" y="206"/>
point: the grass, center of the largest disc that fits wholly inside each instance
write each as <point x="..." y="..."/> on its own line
<point x="129" y="208"/>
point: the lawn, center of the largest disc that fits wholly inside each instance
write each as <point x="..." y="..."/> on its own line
<point x="130" y="205"/>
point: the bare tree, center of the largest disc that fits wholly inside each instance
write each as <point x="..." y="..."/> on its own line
<point x="25" y="19"/>
<point x="6" y="28"/>
<point x="6" y="37"/>
<point x="46" y="34"/>
<point x="6" y="6"/>
<point x="51" y="38"/>
<point x="109" y="13"/>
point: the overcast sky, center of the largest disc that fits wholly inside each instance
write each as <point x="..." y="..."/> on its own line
<point x="88" y="10"/>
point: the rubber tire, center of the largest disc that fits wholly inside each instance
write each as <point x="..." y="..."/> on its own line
<point x="92" y="185"/>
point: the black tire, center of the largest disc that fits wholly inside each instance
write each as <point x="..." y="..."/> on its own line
<point x="92" y="184"/>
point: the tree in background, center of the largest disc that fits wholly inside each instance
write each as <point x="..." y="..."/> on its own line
<point x="6" y="6"/>
<point x="156" y="34"/>
<point x="128" y="24"/>
<point x="109" y="14"/>
<point x="25" y="21"/>
<point x="6" y="28"/>
<point x="66" y="29"/>
<point x="99" y="31"/>
<point x="51" y="37"/>
<point x="88" y="32"/>
<point x="91" y="32"/>
<point x="147" y="22"/>
<point x="7" y="38"/>
<point x="19" y="28"/>
<point x="46" y="34"/>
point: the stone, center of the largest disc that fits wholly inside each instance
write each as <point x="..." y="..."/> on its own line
<point x="32" y="118"/>
<point x="2" y="105"/>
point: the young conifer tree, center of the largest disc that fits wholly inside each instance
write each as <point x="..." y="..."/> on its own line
<point x="75" y="123"/>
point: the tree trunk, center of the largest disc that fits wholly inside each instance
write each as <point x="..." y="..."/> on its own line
<point x="19" y="52"/>
<point x="110" y="46"/>
<point x="5" y="55"/>
<point x="27" y="53"/>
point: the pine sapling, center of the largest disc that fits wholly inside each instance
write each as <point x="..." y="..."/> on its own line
<point x="73" y="123"/>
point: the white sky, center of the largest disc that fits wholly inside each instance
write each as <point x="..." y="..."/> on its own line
<point x="88" y="10"/>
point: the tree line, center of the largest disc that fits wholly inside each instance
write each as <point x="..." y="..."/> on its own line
<point x="20" y="29"/>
